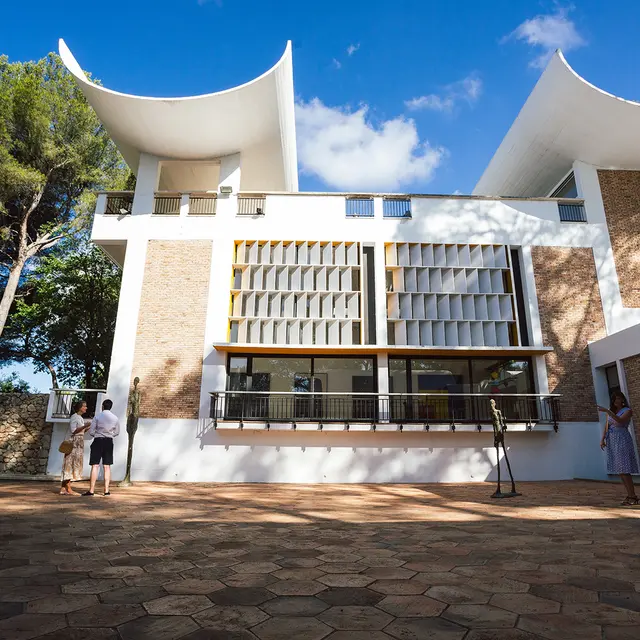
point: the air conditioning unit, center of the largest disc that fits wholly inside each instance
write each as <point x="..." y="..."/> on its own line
<point x="226" y="189"/>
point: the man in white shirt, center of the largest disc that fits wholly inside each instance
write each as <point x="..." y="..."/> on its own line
<point x="104" y="428"/>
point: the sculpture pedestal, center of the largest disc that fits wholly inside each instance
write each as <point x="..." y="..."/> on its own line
<point x="509" y="494"/>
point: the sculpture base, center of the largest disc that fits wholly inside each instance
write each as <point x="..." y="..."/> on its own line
<point x="509" y="494"/>
<point x="125" y="483"/>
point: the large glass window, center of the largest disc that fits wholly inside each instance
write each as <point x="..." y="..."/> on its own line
<point x="424" y="381"/>
<point x="280" y="374"/>
<point x="501" y="376"/>
<point x="398" y="375"/>
<point x="440" y="376"/>
<point x="272" y="381"/>
<point x="344" y="375"/>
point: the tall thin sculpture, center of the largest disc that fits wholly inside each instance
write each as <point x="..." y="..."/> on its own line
<point x="133" y="413"/>
<point x="498" y="439"/>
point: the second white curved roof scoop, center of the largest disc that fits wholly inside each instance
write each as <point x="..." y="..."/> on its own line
<point x="564" y="119"/>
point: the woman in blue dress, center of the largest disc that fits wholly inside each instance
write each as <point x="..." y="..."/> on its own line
<point x="621" y="455"/>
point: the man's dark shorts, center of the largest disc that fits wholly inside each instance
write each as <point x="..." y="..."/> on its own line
<point x="101" y="450"/>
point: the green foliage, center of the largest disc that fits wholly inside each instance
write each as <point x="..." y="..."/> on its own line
<point x="14" y="384"/>
<point x="65" y="314"/>
<point x="53" y="152"/>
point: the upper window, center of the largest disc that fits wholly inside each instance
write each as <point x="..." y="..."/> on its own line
<point x="567" y="189"/>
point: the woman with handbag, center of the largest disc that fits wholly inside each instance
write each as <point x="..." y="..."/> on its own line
<point x="73" y="449"/>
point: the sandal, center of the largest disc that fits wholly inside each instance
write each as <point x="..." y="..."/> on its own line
<point x="629" y="501"/>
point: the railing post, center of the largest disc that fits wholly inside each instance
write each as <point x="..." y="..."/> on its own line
<point x="184" y="204"/>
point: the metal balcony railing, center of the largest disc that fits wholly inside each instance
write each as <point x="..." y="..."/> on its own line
<point x="251" y="205"/>
<point x="396" y="208"/>
<point x="166" y="204"/>
<point x="572" y="212"/>
<point x="396" y="408"/>
<point x="61" y="402"/>
<point x="204" y="205"/>
<point x="359" y="207"/>
<point x="119" y="203"/>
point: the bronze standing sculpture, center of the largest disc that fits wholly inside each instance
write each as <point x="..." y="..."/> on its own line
<point x="498" y="439"/>
<point x="133" y="413"/>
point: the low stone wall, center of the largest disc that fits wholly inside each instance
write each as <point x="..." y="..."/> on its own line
<point x="25" y="437"/>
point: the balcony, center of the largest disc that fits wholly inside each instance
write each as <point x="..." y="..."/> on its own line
<point x="167" y="204"/>
<point x="572" y="212"/>
<point x="61" y="402"/>
<point x="251" y="205"/>
<point x="119" y="203"/>
<point x="373" y="411"/>
<point x="396" y="208"/>
<point x="361" y="207"/>
<point x="203" y="204"/>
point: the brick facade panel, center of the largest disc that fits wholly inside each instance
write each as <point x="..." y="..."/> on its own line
<point x="632" y="375"/>
<point x="171" y="327"/>
<point x="571" y="316"/>
<point x="621" y="199"/>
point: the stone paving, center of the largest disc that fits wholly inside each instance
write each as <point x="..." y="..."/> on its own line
<point x="313" y="562"/>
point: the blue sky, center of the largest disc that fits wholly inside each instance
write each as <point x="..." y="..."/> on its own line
<point x="411" y="95"/>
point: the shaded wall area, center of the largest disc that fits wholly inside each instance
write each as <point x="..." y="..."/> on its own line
<point x="25" y="437"/>
<point x="571" y="316"/>
<point x="632" y="375"/>
<point x="171" y="326"/>
<point x="621" y="198"/>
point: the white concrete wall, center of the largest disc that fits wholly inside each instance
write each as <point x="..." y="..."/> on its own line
<point x="172" y="451"/>
<point x="173" y="446"/>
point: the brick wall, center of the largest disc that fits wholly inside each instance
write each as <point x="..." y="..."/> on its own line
<point x="25" y="437"/>
<point x="621" y="198"/>
<point x="171" y="326"/>
<point x="571" y="316"/>
<point x="632" y="374"/>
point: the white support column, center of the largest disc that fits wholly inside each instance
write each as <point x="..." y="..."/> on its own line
<point x="378" y="208"/>
<point x="384" y="402"/>
<point x="146" y="184"/>
<point x="379" y="273"/>
<point x="124" y="339"/>
<point x="101" y="204"/>
<point x="533" y="318"/>
<point x="230" y="174"/>
<point x="184" y="204"/>
<point x="213" y="369"/>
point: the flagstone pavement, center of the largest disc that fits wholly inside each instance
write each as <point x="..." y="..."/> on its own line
<point x="313" y="562"/>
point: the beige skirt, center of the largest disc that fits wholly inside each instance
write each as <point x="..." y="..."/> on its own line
<point x="74" y="461"/>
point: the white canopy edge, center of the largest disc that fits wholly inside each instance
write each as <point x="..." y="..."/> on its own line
<point x="255" y="119"/>
<point x="564" y="119"/>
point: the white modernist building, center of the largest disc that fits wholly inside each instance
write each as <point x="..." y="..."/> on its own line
<point x="334" y="337"/>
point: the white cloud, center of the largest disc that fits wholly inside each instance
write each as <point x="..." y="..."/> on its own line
<point x="468" y="90"/>
<point x="337" y="64"/>
<point x="352" y="48"/>
<point x="548" y="33"/>
<point x="347" y="151"/>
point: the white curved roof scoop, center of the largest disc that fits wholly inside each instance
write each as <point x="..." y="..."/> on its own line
<point x="255" y="119"/>
<point x="564" y="119"/>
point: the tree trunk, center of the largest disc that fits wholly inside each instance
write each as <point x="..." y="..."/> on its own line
<point x="54" y="377"/>
<point x="10" y="292"/>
